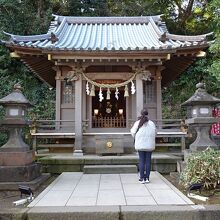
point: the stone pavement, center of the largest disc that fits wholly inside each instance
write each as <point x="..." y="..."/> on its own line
<point x="78" y="189"/>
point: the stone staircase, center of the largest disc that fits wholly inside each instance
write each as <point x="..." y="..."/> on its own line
<point x="57" y="163"/>
<point x="108" y="169"/>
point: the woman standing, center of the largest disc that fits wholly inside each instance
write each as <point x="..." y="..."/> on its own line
<point x="144" y="132"/>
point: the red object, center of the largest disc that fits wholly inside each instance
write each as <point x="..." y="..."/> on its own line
<point x="215" y="129"/>
<point x="216" y="112"/>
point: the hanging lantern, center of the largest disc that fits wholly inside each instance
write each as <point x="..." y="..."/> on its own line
<point x="108" y="94"/>
<point x="92" y="92"/>
<point x="87" y="88"/>
<point x="100" y="95"/>
<point x="126" y="94"/>
<point x="116" y="93"/>
<point x="132" y="88"/>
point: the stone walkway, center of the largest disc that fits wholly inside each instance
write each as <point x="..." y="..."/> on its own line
<point x="78" y="189"/>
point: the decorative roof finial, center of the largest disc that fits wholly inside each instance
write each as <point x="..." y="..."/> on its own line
<point x="201" y="84"/>
<point x="17" y="87"/>
<point x="163" y="38"/>
<point x="53" y="38"/>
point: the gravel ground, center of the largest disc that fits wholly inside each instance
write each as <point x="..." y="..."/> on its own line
<point x="8" y="197"/>
<point x="214" y="195"/>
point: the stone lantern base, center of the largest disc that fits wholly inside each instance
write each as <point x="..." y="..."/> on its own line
<point x="24" y="173"/>
<point x="202" y="128"/>
<point x="16" y="158"/>
<point x="18" y="168"/>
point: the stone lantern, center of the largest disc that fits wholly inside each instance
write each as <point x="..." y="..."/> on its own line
<point x="16" y="158"/>
<point x="200" y="107"/>
<point x="16" y="106"/>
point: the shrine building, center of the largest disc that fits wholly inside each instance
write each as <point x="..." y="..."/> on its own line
<point x="104" y="70"/>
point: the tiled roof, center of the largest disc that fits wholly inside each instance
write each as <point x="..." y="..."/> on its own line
<point x="107" y="34"/>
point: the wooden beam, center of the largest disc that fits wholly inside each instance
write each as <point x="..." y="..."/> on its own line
<point x="116" y="62"/>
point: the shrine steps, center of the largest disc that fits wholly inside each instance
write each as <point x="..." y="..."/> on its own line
<point x="108" y="169"/>
<point x="58" y="163"/>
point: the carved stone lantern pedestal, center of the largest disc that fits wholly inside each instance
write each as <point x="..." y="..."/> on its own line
<point x="200" y="107"/>
<point x="202" y="128"/>
<point x="16" y="159"/>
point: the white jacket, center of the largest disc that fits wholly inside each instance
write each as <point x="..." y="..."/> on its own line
<point x="145" y="137"/>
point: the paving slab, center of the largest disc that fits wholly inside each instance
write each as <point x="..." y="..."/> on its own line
<point x="78" y="189"/>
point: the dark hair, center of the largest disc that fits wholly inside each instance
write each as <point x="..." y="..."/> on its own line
<point x="143" y="118"/>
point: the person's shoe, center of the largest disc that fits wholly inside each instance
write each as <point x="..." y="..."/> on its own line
<point x="147" y="181"/>
<point x="141" y="181"/>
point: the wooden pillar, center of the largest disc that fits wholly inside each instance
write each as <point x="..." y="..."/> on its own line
<point x="159" y="94"/>
<point x="139" y="94"/>
<point x="58" y="97"/>
<point x="78" y="117"/>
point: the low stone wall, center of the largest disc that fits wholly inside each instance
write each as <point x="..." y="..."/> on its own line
<point x="195" y="212"/>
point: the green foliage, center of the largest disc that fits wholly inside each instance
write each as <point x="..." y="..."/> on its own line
<point x="184" y="87"/>
<point x="136" y="8"/>
<point x="202" y="167"/>
<point x="3" y="138"/>
<point x="24" y="17"/>
<point x="87" y="8"/>
<point x="188" y="17"/>
<point x="214" y="68"/>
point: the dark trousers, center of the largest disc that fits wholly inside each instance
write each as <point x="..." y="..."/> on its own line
<point x="144" y="164"/>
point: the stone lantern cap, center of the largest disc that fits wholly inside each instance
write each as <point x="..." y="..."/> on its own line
<point x="201" y="97"/>
<point x="16" y="97"/>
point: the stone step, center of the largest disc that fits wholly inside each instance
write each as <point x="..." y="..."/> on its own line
<point x="58" y="163"/>
<point x="107" y="169"/>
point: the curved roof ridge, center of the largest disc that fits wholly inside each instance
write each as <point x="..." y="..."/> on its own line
<point x="53" y="24"/>
<point x="27" y="38"/>
<point x="105" y="20"/>
<point x="200" y="37"/>
<point x="60" y="27"/>
<point x="155" y="27"/>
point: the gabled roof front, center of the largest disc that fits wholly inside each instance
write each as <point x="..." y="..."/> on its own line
<point x="107" y="34"/>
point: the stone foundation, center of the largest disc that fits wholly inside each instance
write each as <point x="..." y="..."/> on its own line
<point x="16" y="158"/>
<point x="20" y="173"/>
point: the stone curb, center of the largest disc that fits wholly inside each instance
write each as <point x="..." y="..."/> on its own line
<point x="72" y="213"/>
<point x="189" y="212"/>
<point x="193" y="212"/>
